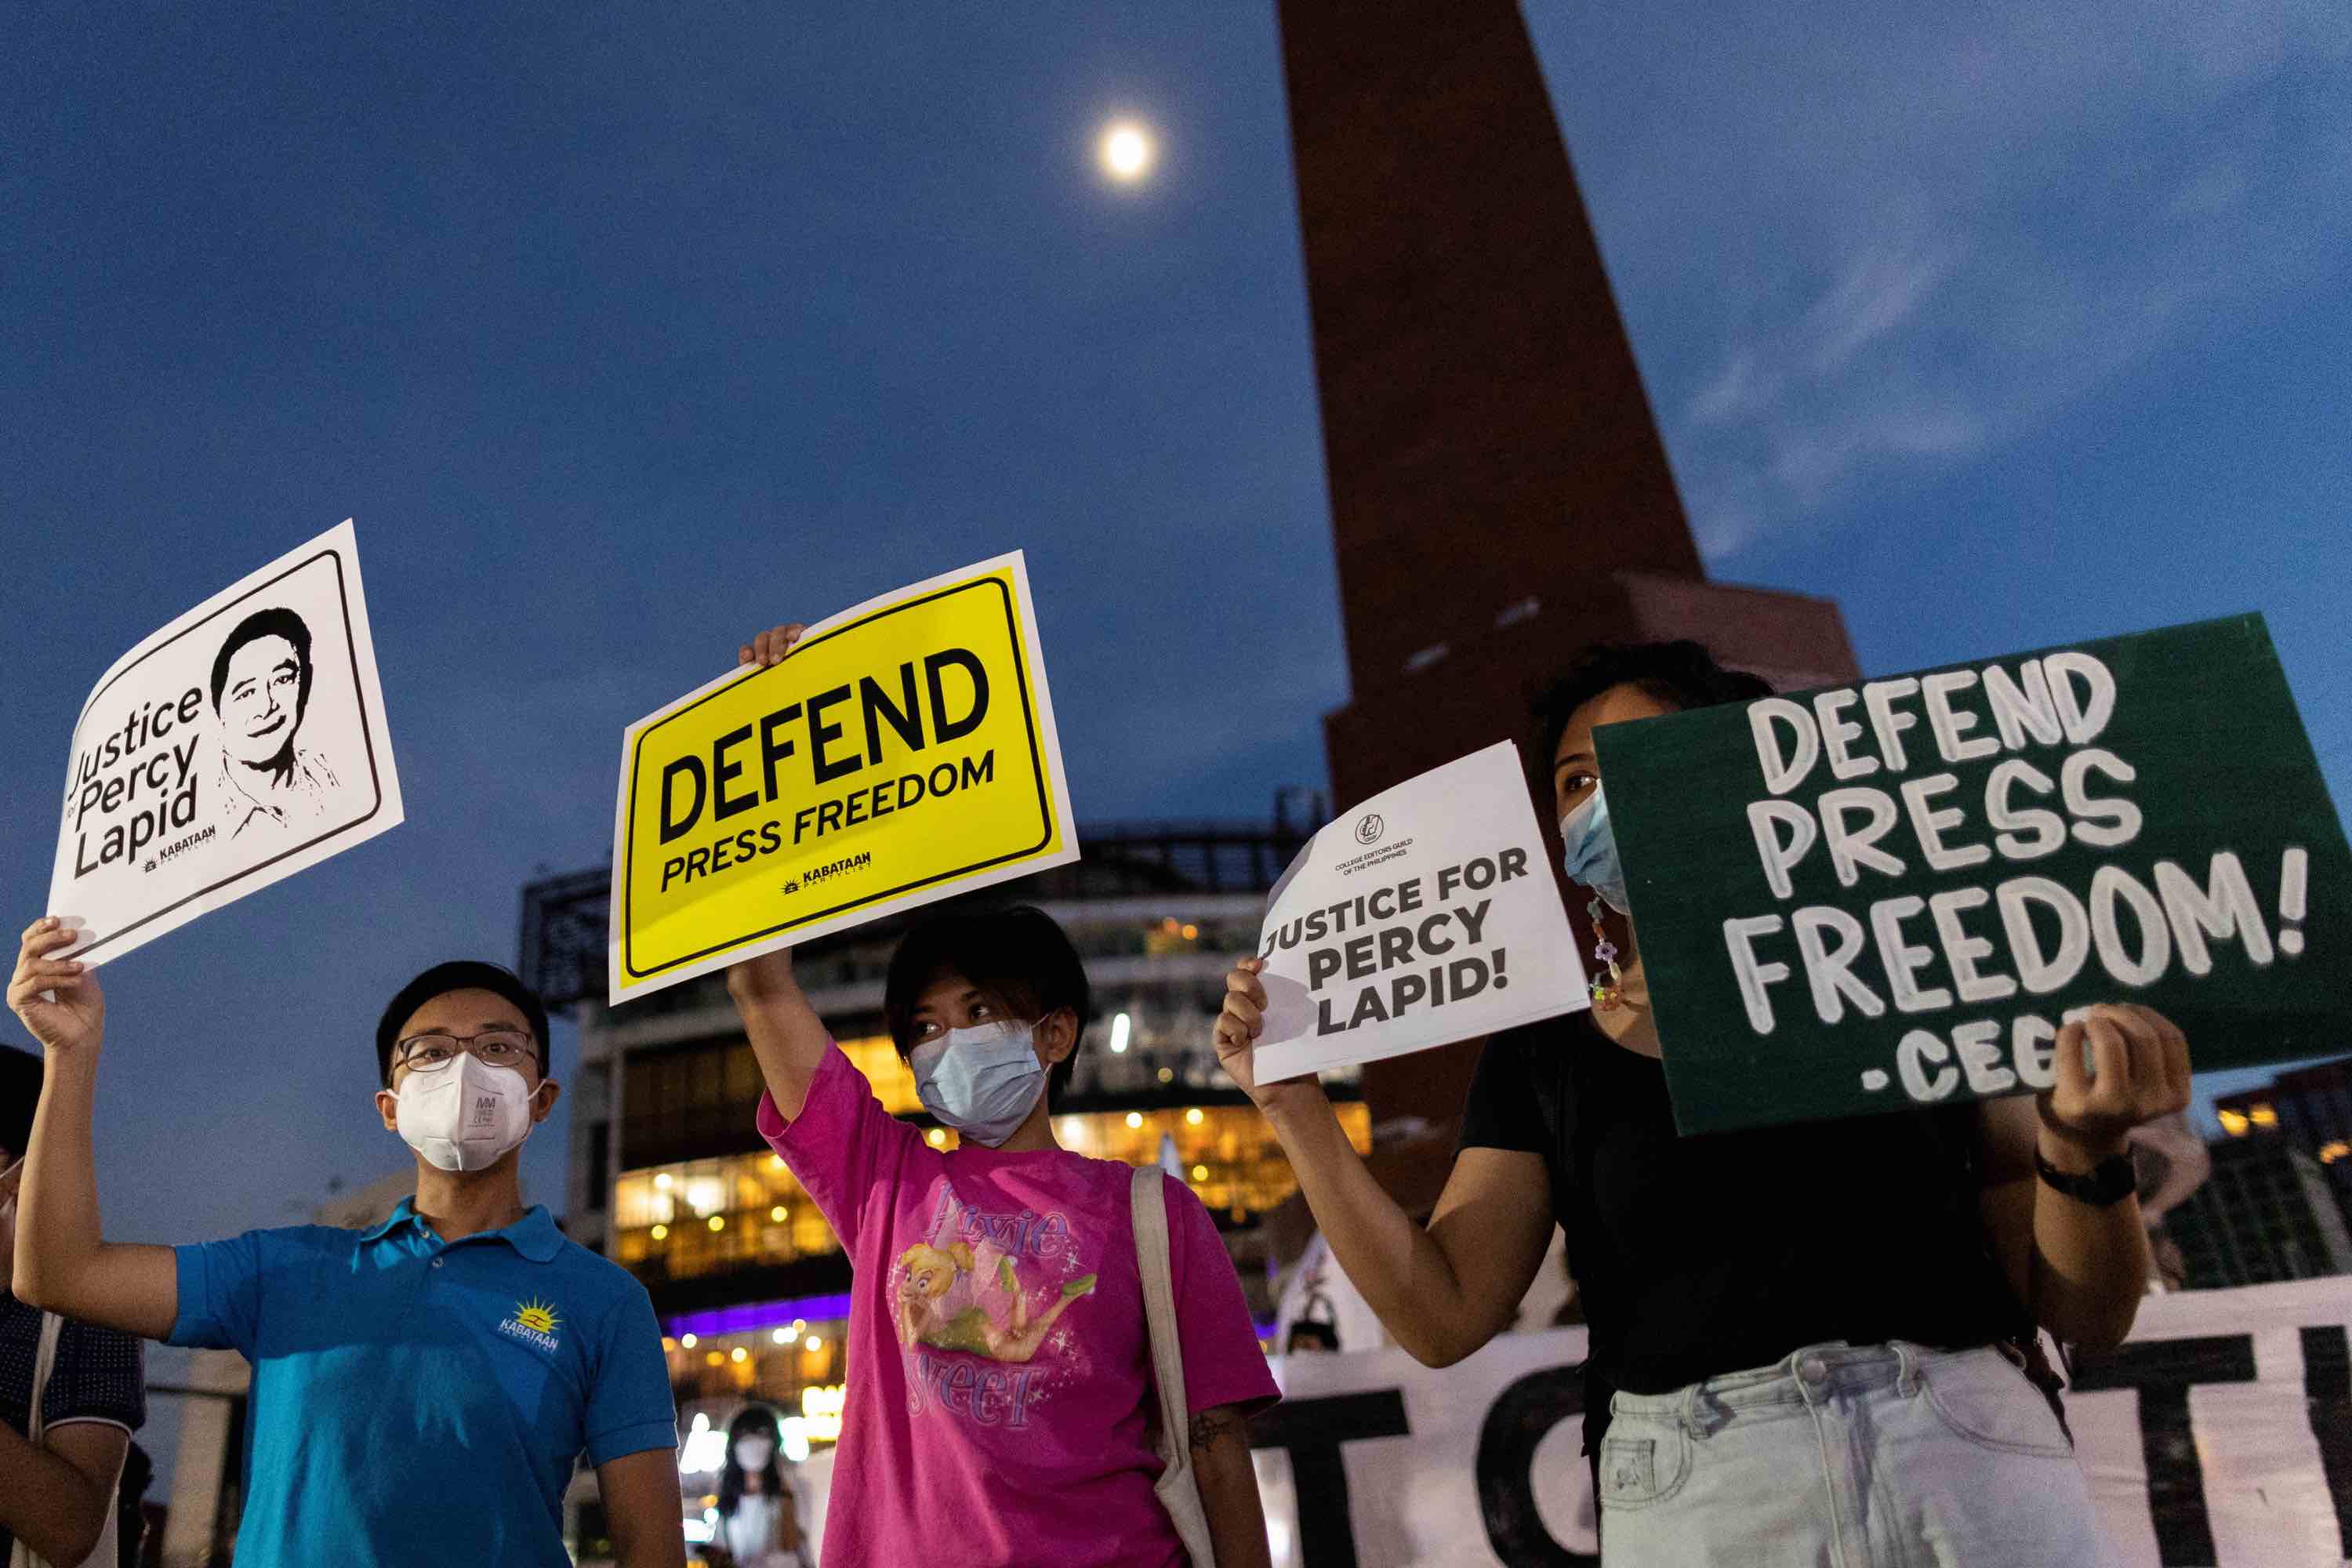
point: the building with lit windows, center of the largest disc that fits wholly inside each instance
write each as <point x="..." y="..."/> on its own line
<point x="2265" y="1213"/>
<point x="2308" y="1111"/>
<point x="669" y="1178"/>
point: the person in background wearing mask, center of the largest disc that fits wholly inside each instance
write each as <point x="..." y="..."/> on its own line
<point x="422" y="1390"/>
<point x="1000" y="1393"/>
<point x="56" y="1496"/>
<point x="759" y="1523"/>
<point x="1807" y="1341"/>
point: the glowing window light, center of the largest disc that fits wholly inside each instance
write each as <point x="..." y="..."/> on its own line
<point x="704" y="1452"/>
<point x="821" y="1408"/>
<point x="1121" y="1025"/>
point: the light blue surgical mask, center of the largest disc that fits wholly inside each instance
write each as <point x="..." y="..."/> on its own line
<point x="1588" y="850"/>
<point x="983" y="1081"/>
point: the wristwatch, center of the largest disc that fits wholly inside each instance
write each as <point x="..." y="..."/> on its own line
<point x="2108" y="1182"/>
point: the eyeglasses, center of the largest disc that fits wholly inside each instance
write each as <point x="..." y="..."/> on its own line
<point x="501" y="1048"/>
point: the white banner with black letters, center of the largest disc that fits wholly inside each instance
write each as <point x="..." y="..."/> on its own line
<point x="2219" y="1435"/>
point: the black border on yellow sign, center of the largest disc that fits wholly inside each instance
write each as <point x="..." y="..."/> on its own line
<point x="1036" y="768"/>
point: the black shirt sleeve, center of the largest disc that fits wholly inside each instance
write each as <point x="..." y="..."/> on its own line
<point x="100" y="1375"/>
<point x="1502" y="1112"/>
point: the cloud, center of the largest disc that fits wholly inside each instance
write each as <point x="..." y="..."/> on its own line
<point x="1851" y="255"/>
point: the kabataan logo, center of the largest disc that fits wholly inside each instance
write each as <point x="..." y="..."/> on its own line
<point x="534" y="1324"/>
<point x="861" y="861"/>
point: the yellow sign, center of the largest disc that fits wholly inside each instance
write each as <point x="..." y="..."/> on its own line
<point x="904" y="751"/>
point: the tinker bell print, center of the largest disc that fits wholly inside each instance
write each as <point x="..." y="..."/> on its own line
<point x="958" y="1299"/>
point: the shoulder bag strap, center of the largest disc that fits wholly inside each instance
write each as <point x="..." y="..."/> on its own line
<point x="1159" y="1309"/>
<point x="1178" y="1488"/>
<point x="44" y="1362"/>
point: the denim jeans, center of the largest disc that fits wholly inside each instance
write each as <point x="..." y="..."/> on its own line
<point x="1841" y="1457"/>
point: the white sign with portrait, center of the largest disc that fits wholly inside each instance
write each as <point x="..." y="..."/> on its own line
<point x="241" y="744"/>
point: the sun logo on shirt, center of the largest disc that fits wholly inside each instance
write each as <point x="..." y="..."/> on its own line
<point x="534" y="1324"/>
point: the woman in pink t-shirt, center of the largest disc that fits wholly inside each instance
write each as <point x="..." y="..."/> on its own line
<point x="999" y="1396"/>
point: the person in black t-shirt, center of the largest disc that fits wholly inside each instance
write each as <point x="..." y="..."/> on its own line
<point x="1880" y="1277"/>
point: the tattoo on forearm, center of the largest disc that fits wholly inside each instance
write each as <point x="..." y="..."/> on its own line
<point x="1210" y="1427"/>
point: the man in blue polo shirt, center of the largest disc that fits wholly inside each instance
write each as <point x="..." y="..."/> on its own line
<point x="421" y="1390"/>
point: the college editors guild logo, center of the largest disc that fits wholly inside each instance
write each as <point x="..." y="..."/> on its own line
<point x="1370" y="829"/>
<point x="534" y="1324"/>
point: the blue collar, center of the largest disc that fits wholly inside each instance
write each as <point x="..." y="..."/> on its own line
<point x="534" y="1236"/>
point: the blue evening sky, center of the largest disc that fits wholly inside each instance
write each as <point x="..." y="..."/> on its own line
<point x="624" y="329"/>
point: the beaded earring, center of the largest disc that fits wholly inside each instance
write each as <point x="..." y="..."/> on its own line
<point x="1606" y="994"/>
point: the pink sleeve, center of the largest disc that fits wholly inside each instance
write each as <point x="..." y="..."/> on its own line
<point x="1222" y="1363"/>
<point x="843" y="1147"/>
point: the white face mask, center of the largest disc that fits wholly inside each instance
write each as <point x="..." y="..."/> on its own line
<point x="465" y="1117"/>
<point x="753" y="1453"/>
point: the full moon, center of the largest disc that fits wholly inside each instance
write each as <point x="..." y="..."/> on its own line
<point x="1126" y="153"/>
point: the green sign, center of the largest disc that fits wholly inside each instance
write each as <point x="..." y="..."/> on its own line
<point x="1892" y="893"/>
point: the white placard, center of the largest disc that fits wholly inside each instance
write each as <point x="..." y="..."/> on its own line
<point x="240" y="744"/>
<point x="1480" y="1463"/>
<point x="1426" y="915"/>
